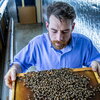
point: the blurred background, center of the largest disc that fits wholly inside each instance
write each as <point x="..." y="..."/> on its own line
<point x="21" y="20"/>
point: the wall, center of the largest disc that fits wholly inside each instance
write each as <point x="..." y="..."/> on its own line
<point x="88" y="17"/>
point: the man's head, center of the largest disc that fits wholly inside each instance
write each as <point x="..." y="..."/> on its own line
<point x="60" y="23"/>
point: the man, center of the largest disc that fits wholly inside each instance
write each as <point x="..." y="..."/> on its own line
<point x="59" y="48"/>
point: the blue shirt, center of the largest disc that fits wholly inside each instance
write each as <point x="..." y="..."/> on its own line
<point x="40" y="53"/>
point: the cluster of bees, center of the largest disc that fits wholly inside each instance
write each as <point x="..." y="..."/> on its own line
<point x="59" y="84"/>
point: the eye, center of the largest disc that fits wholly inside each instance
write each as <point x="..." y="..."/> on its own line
<point x="54" y="31"/>
<point x="65" y="32"/>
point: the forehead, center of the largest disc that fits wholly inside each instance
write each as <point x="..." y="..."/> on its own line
<point x="57" y="24"/>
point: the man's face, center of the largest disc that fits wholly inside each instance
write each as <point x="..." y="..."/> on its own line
<point x="59" y="31"/>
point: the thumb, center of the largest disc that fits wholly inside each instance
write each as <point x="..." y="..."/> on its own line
<point x="94" y="66"/>
<point x="13" y="75"/>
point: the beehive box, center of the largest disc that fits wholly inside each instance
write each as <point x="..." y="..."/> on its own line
<point x="27" y="15"/>
<point x="20" y="92"/>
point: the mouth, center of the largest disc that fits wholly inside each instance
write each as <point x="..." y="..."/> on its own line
<point x="58" y="44"/>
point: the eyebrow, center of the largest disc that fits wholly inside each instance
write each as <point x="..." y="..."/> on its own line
<point x="53" y="29"/>
<point x="61" y="30"/>
<point x="65" y="30"/>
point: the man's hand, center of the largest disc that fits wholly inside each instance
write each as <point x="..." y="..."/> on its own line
<point x="11" y="75"/>
<point x="96" y="66"/>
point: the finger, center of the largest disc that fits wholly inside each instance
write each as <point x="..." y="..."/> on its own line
<point x="94" y="66"/>
<point x="8" y="83"/>
<point x="98" y="69"/>
<point x="9" y="78"/>
<point x="13" y="75"/>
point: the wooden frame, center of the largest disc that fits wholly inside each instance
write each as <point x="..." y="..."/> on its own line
<point x="76" y="70"/>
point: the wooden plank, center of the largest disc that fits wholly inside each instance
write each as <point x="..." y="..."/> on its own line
<point x="13" y="90"/>
<point x="82" y="69"/>
<point x="75" y="69"/>
<point x="97" y="77"/>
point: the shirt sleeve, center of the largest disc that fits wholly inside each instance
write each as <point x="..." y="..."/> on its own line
<point x="26" y="57"/>
<point x="92" y="54"/>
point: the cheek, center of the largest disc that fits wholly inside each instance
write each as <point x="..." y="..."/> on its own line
<point x="67" y="37"/>
<point x="52" y="36"/>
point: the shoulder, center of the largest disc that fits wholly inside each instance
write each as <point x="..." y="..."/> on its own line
<point x="80" y="38"/>
<point x="40" y="39"/>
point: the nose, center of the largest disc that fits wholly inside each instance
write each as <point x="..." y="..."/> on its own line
<point x="59" y="36"/>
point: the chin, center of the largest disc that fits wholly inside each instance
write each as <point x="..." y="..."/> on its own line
<point x="59" y="47"/>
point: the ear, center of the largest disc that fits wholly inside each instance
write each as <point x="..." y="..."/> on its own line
<point x="47" y="25"/>
<point x="73" y="26"/>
